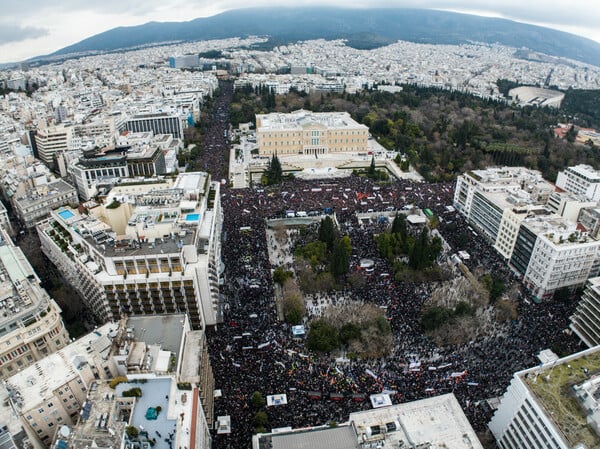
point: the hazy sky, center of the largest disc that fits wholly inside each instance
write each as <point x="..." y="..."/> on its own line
<point x="34" y="27"/>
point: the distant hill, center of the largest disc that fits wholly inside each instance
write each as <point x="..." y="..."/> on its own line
<point x="364" y="28"/>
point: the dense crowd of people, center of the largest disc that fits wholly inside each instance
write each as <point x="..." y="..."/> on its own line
<point x="254" y="351"/>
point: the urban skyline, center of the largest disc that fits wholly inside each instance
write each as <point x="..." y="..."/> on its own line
<point x="47" y="28"/>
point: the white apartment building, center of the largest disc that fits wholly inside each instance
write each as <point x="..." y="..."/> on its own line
<point x="568" y="205"/>
<point x="52" y="140"/>
<point x="551" y="406"/>
<point x="31" y="326"/>
<point x="580" y="179"/>
<point x="308" y="133"/>
<point x="152" y="248"/>
<point x="4" y="220"/>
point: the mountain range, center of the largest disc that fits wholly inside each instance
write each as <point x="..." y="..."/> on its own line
<point x="363" y="28"/>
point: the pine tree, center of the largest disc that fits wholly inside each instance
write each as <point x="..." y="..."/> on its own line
<point x="274" y="172"/>
<point x="371" y="170"/>
<point x="327" y="232"/>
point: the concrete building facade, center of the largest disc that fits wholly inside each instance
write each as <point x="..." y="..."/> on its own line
<point x="580" y="179"/>
<point x="308" y="133"/>
<point x="52" y="140"/>
<point x="509" y="207"/>
<point x="158" y="123"/>
<point x="150" y="249"/>
<point x="546" y="407"/>
<point x="31" y="326"/>
<point x="585" y="322"/>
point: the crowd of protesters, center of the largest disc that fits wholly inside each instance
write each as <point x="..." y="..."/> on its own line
<point x="252" y="350"/>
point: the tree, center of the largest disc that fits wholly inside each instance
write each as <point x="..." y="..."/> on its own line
<point x="349" y="332"/>
<point x="371" y="170"/>
<point x="132" y="432"/>
<point x="261" y="420"/>
<point x="293" y="308"/>
<point x="571" y="134"/>
<point x="257" y="400"/>
<point x="399" y="226"/>
<point x="273" y="174"/>
<point x="435" y="317"/>
<point x="322" y="336"/>
<point x="340" y="258"/>
<point x="280" y="275"/>
<point x="327" y="232"/>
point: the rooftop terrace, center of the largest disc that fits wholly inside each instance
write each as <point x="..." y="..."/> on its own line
<point x="552" y="386"/>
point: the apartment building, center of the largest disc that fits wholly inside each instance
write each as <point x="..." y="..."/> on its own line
<point x="67" y="396"/>
<point x="31" y="326"/>
<point x="151" y="248"/>
<point x="551" y="406"/>
<point x="568" y="205"/>
<point x="52" y="392"/>
<point x="309" y="133"/>
<point x="589" y="218"/>
<point x="4" y="220"/>
<point x="52" y="140"/>
<point x="580" y="179"/>
<point x="36" y="203"/>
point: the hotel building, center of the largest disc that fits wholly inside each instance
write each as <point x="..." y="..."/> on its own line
<point x="152" y="248"/>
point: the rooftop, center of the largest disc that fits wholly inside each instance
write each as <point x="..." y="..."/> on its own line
<point x="161" y="220"/>
<point x="586" y="171"/>
<point x="21" y="296"/>
<point x="297" y="120"/>
<point x="164" y="330"/>
<point x="38" y="381"/>
<point x="342" y="437"/>
<point x="551" y="386"/>
<point x="433" y="422"/>
<point x="104" y="426"/>
<point x="155" y="393"/>
<point x="44" y="192"/>
<point x="439" y="421"/>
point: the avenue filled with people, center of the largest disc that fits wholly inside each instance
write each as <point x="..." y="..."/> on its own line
<point x="253" y="350"/>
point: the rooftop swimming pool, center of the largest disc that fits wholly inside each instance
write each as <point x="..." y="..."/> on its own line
<point x="66" y="214"/>
<point x="192" y="217"/>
